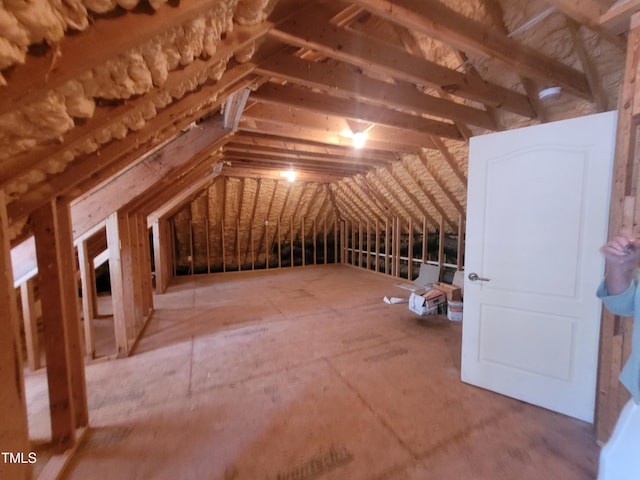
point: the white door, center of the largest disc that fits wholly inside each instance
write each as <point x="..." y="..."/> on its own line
<point x="537" y="213"/>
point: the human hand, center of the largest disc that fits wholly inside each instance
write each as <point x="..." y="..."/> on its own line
<point x="622" y="253"/>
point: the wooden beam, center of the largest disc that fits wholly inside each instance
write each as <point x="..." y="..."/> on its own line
<point x="439" y="181"/>
<point x="408" y="190"/>
<point x="368" y="53"/>
<point x="122" y="316"/>
<point x="451" y="161"/>
<point x="87" y="278"/>
<point x="65" y="373"/>
<point x="333" y="128"/>
<point x="339" y="79"/>
<point x="318" y="130"/>
<point x="30" y="322"/>
<point x="104" y="39"/>
<point x="601" y="98"/>
<point x="233" y="108"/>
<point x="617" y="18"/>
<point x="134" y="181"/>
<point x="436" y="20"/>
<point x="92" y="170"/>
<point x="623" y="187"/>
<point x="14" y="434"/>
<point x="176" y="201"/>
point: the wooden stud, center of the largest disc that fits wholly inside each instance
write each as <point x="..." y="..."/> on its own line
<point x="158" y="257"/>
<point x="87" y="277"/>
<point x="398" y="245"/>
<point x="30" y="323"/>
<point x="238" y="241"/>
<point x="441" y="245"/>
<point x="461" y="245"/>
<point x="410" y="252"/>
<point x="114" y="226"/>
<point x="623" y="185"/>
<point x="304" y="252"/>
<point x="14" y="434"/>
<point x="335" y="239"/>
<point x="315" y="252"/>
<point x="324" y="230"/>
<point x="145" y="266"/>
<point x="279" y="243"/>
<point x="291" y="241"/>
<point x="47" y="232"/>
<point x="206" y="229"/>
<point x="386" y="246"/>
<point x="360" y="245"/>
<point x="224" y="262"/>
<point x="425" y="240"/>
<point x="377" y="257"/>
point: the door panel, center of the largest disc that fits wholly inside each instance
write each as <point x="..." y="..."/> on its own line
<point x="537" y="213"/>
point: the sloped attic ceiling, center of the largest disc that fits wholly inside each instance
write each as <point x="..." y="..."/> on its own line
<point x="93" y="89"/>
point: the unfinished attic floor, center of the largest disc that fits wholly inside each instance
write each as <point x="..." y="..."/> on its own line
<point x="306" y="373"/>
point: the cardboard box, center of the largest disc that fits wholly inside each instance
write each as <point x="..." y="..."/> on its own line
<point x="426" y="304"/>
<point x="453" y="293"/>
<point x="434" y="297"/>
<point x="418" y="304"/>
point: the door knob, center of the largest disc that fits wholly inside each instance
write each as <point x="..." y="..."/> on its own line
<point x="475" y="277"/>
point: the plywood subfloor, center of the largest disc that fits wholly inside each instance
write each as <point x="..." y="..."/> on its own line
<point x="306" y="373"/>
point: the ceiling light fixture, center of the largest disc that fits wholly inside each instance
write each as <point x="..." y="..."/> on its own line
<point x="549" y="93"/>
<point x="359" y="139"/>
<point x="289" y="175"/>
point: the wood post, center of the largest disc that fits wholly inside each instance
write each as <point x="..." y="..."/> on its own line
<point x="121" y="317"/>
<point x="410" y="251"/>
<point x="460" y="255"/>
<point x="14" y="433"/>
<point x="615" y="332"/>
<point x="87" y="280"/>
<point x="63" y="350"/>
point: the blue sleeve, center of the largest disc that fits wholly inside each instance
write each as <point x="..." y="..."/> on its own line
<point x="621" y="304"/>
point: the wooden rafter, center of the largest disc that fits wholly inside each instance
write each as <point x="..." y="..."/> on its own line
<point x="370" y="53"/>
<point x="435" y="19"/>
<point x="336" y="79"/>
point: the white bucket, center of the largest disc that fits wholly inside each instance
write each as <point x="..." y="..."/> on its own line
<point x="454" y="311"/>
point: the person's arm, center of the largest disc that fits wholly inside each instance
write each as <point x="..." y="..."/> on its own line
<point x="622" y="255"/>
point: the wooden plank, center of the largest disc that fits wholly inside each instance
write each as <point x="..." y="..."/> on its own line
<point x="145" y="266"/>
<point x="338" y="79"/>
<point x="461" y="243"/>
<point x="61" y="405"/>
<point x="386" y="247"/>
<point x="90" y="171"/>
<point x="441" y="245"/>
<point x="617" y="18"/>
<point x="377" y="257"/>
<point x="315" y="129"/>
<point x="70" y="304"/>
<point x="624" y="171"/>
<point x="425" y="240"/>
<point x="369" y="53"/>
<point x="14" y="434"/>
<point x="118" y="287"/>
<point x="104" y="39"/>
<point x="594" y="78"/>
<point x="158" y="257"/>
<point x="30" y="322"/>
<point x="304" y="99"/>
<point x="279" y="243"/>
<point x="87" y="277"/>
<point x="134" y="181"/>
<point x="436" y="20"/>
<point x="410" y="252"/>
<point x="440" y="182"/>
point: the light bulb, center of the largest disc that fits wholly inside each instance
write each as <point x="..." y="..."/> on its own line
<point x="359" y="139"/>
